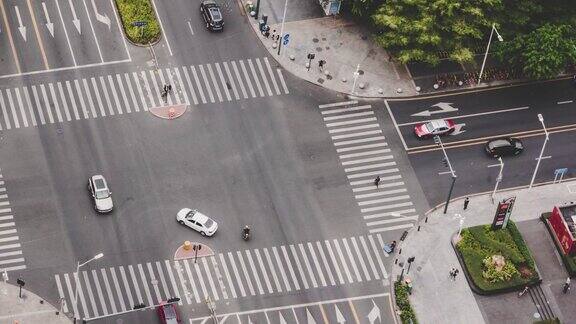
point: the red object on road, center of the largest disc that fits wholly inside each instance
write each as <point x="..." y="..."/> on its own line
<point x="168" y="313"/>
<point x="434" y="127"/>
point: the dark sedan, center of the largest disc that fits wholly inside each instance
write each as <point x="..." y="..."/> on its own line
<point x="212" y="15"/>
<point x="505" y="146"/>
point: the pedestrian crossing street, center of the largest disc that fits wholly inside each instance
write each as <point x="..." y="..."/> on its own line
<point x="138" y="91"/>
<point x="365" y="155"/>
<point x="225" y="276"/>
<point x="11" y="258"/>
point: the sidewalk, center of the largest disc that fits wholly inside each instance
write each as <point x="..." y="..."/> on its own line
<point x="30" y="309"/>
<point x="437" y="299"/>
<point x="344" y="46"/>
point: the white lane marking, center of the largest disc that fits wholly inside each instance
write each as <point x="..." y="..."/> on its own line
<point x="254" y="272"/>
<point x="239" y="79"/>
<point x="61" y="293"/>
<point x="120" y="29"/>
<point x="373" y="173"/>
<point x="352" y="261"/>
<point x="154" y="284"/>
<point x="366" y="160"/>
<point x="383" y="200"/>
<point x="71" y="294"/>
<point x="272" y="270"/>
<point x="165" y="288"/>
<point x="192" y="281"/>
<point x="380" y="186"/>
<point x="470" y="115"/>
<point x="4" y="111"/>
<point x="255" y="76"/>
<point x="30" y="107"/>
<point x="343" y="261"/>
<point x="281" y="268"/>
<point x="264" y="272"/>
<point x="369" y="257"/>
<point x="97" y="95"/>
<point x="359" y="255"/>
<point x="316" y="264"/>
<point x="108" y="290"/>
<point x="564" y="102"/>
<point x="338" y="137"/>
<point x="149" y="91"/>
<point x="544" y="157"/>
<point x="325" y="262"/>
<point x="219" y="277"/>
<point x="247" y="77"/>
<point x="370" y="166"/>
<point x="90" y="294"/>
<point x="161" y="24"/>
<point x="125" y="101"/>
<point x="299" y="266"/>
<point x="393" y="220"/>
<point x="353" y="128"/>
<point x="210" y="281"/>
<point x="140" y="91"/>
<point x="157" y="88"/>
<point x="337" y="104"/>
<point x="281" y="77"/>
<point x="396" y="213"/>
<point x="206" y="83"/>
<point x="66" y="34"/>
<point x="190" y="27"/>
<point x="135" y="284"/>
<point x="118" y="289"/>
<point x="390" y="228"/>
<point x="72" y="100"/>
<point x="380" y="193"/>
<point x="78" y="89"/>
<point x="231" y="80"/>
<point x="22" y="111"/>
<point x="173" y="281"/>
<point x="200" y="91"/>
<point x="376" y="251"/>
<point x="339" y="110"/>
<point x="223" y="81"/>
<point x="352" y="122"/>
<point x="36" y="101"/>
<point x="345" y="116"/>
<point x="227" y="274"/>
<point x="182" y="86"/>
<point x="179" y="272"/>
<point x="214" y="82"/>
<point x="290" y="268"/>
<point x="263" y="75"/>
<point x="245" y="271"/>
<point x="106" y="96"/>
<point x="395" y="125"/>
<point x="99" y="292"/>
<point x="145" y="284"/>
<point x="393" y="206"/>
<point x="236" y="274"/>
<point x="444" y="172"/>
<point x="131" y="91"/>
<point x="13" y="108"/>
<point x="93" y="32"/>
<point x="163" y="81"/>
<point x="307" y="264"/>
<point x="271" y="73"/>
<point x="64" y="102"/>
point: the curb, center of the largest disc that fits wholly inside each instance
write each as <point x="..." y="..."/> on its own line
<point x="168" y="112"/>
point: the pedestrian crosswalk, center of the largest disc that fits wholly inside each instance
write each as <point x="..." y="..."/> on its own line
<point x="11" y="258"/>
<point x="138" y="91"/>
<point x="365" y="155"/>
<point x="224" y="276"/>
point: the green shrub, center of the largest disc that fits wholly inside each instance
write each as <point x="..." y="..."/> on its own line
<point x="139" y="10"/>
<point x="407" y="314"/>
<point x="492" y="274"/>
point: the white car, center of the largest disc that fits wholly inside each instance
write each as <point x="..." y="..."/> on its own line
<point x="197" y="221"/>
<point x="100" y="193"/>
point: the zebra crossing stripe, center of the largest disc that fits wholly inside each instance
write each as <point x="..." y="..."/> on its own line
<point x="223" y="81"/>
<point x="255" y="76"/>
<point x="239" y="78"/>
<point x="61" y="293"/>
<point x="197" y="80"/>
<point x="236" y="274"/>
<point x="339" y="137"/>
<point x="352" y="261"/>
<point x="299" y="266"/>
<point x="170" y="80"/>
<point x="210" y="281"/>
<point x="362" y="147"/>
<point x="338" y="104"/>
<point x="127" y="288"/>
<point x="347" y="109"/>
<point x="155" y="91"/>
<point x="107" y="96"/>
<point x="245" y="271"/>
<point x="11" y="103"/>
<point x="30" y="108"/>
<point x="282" y="272"/>
<point x="378" y="257"/>
<point x="80" y="99"/>
<point x="90" y="294"/>
<point x="359" y="256"/>
<point x="72" y="102"/>
<point x="343" y="261"/>
<point x="284" y="87"/>
<point x="117" y="286"/>
<point x="164" y="284"/>
<point x="163" y="81"/>
<point x="263" y="75"/>
<point x="272" y="270"/>
<point x="141" y="93"/>
<point x="98" y="97"/>
<point x="227" y="274"/>
<point x="200" y="280"/>
<point x="4" y="112"/>
<point x="247" y="77"/>
<point x="271" y="73"/>
<point x="173" y="280"/>
<point x="145" y="281"/>
<point x="263" y="270"/>
<point x="182" y="85"/>
<point x="316" y="264"/>
<point x="191" y="281"/>
<point x="108" y="290"/>
<point x="89" y="96"/>
<point x="190" y="85"/>
<point x="19" y="99"/>
<point x="218" y="277"/>
<point x="325" y="262"/>
<point x="64" y="103"/>
<point x="370" y="261"/>
<point x="179" y="271"/>
<point x="132" y="95"/>
<point x="99" y="292"/>
<point x="135" y="283"/>
<point x="290" y="268"/>
<point x="254" y="272"/>
<point x="123" y="93"/>
<point x="148" y="90"/>
<point x="154" y="283"/>
<point x="334" y="262"/>
<point x="214" y="82"/>
<point x="37" y="104"/>
<point x="206" y="83"/>
<point x="232" y="83"/>
<point x="115" y="95"/>
<point x="346" y="116"/>
<point x="71" y="294"/>
<point x="307" y="265"/>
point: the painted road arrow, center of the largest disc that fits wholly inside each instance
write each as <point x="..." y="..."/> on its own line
<point x="339" y="317"/>
<point x="282" y="319"/>
<point x="445" y="107"/>
<point x="21" y="27"/>
<point x="101" y="18"/>
<point x="458" y="129"/>
<point x="309" y="317"/>
<point x="49" y="24"/>
<point x="75" y="19"/>
<point x="374" y="314"/>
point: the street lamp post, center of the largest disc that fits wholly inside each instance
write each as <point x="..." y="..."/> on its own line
<point x="487" y="49"/>
<point x="438" y="142"/>
<point x="282" y="27"/>
<point x="541" y="119"/>
<point x="499" y="179"/>
<point x="78" y="265"/>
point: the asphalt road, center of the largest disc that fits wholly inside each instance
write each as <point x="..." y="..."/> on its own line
<point x="509" y="111"/>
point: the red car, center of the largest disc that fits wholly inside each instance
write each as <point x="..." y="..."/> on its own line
<point x="434" y="127"/>
<point x="168" y="313"/>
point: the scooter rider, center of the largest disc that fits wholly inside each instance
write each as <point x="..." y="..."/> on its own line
<point x="246" y="232"/>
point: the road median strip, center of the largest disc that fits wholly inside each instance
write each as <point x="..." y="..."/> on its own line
<point x="139" y="21"/>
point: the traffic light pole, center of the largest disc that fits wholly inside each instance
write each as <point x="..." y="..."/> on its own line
<point x="438" y="142"/>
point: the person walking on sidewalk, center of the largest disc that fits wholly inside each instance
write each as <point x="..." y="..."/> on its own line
<point x="321" y="64"/>
<point x="466" y="202"/>
<point x="566" y="287"/>
<point x="451" y="274"/>
<point x="377" y="181"/>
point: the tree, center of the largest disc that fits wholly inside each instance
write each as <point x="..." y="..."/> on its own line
<point x="418" y="30"/>
<point x="542" y="53"/>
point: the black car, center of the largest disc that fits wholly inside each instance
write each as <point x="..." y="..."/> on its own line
<point x="504" y="146"/>
<point x="212" y="15"/>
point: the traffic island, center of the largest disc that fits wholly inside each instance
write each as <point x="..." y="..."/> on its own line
<point x="139" y="21"/>
<point x="192" y="250"/>
<point x="168" y="112"/>
<point x="495" y="260"/>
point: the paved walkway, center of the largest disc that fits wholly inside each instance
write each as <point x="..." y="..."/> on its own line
<point x="30" y="309"/>
<point x="345" y="47"/>
<point x="437" y="299"/>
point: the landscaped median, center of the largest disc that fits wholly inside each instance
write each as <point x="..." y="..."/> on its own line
<point x="496" y="261"/>
<point x="135" y="12"/>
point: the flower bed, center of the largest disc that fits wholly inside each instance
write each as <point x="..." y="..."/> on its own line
<point x="139" y="10"/>
<point x="496" y="261"/>
<point x="407" y="314"/>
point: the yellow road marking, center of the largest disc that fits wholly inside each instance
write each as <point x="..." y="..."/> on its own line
<point x="323" y="314"/>
<point x="46" y="66"/>
<point x="482" y="140"/>
<point x="354" y="312"/>
<point x="10" y="36"/>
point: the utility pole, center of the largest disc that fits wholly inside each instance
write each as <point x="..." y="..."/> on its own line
<point x="438" y="142"/>
<point x="498" y="179"/>
<point x="281" y="39"/>
<point x="541" y="119"/>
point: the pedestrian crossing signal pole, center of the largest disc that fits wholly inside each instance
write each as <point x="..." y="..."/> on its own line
<point x="281" y="38"/>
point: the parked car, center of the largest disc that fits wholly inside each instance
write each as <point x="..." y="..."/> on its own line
<point x="434" y="127"/>
<point x="168" y="313"/>
<point x="101" y="193"/>
<point x="197" y="221"/>
<point x="212" y="15"/>
<point x="504" y="146"/>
